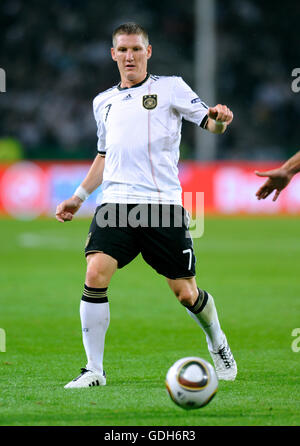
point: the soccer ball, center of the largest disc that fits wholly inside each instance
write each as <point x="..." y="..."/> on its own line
<point x="191" y="382"/>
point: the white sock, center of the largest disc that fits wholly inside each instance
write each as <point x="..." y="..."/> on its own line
<point x="95" y="317"/>
<point x="208" y="320"/>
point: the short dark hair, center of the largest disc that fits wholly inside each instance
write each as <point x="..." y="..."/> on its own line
<point x="130" y="28"/>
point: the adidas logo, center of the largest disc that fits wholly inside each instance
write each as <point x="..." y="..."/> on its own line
<point x="127" y="97"/>
<point x="94" y="383"/>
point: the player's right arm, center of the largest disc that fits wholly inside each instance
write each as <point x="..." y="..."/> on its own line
<point x="279" y="178"/>
<point x="66" y="210"/>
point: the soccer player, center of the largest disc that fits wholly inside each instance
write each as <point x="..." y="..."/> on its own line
<point x="139" y="124"/>
<point x="278" y="178"/>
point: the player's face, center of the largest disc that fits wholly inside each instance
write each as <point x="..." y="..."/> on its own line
<point x="131" y="55"/>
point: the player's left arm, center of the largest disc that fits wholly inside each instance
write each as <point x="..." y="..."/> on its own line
<point x="219" y="117"/>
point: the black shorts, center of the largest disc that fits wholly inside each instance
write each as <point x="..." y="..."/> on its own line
<point x="159" y="232"/>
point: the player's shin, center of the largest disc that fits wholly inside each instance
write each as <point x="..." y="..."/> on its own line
<point x="205" y="314"/>
<point x="95" y="317"/>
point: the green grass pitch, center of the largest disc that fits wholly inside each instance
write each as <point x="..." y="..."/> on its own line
<point x="251" y="267"/>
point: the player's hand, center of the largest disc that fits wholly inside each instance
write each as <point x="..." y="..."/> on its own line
<point x="220" y="113"/>
<point x="66" y="210"/>
<point x="278" y="180"/>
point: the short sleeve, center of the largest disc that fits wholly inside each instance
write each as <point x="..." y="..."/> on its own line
<point x="187" y="103"/>
<point x="101" y="134"/>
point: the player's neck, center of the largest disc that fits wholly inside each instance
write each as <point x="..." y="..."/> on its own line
<point x="128" y="83"/>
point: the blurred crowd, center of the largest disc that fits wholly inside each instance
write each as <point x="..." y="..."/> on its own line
<point x="57" y="58"/>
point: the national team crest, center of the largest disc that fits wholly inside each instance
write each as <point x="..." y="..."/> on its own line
<point x="150" y="101"/>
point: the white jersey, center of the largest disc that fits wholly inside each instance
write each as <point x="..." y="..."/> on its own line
<point x="139" y="132"/>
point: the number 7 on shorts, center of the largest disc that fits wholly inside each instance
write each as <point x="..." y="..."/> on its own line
<point x="189" y="252"/>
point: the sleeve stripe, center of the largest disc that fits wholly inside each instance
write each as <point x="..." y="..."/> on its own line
<point x="204" y="122"/>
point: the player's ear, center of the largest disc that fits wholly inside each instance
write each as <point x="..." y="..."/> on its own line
<point x="113" y="54"/>
<point x="149" y="51"/>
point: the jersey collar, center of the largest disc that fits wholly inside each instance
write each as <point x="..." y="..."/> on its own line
<point x="134" y="86"/>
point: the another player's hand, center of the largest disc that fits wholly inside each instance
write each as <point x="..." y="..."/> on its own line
<point x="66" y="210"/>
<point x="220" y="113"/>
<point x="278" y="180"/>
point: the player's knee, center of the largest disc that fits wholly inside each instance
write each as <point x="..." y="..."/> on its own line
<point x="100" y="268"/>
<point x="96" y="277"/>
<point x="186" y="297"/>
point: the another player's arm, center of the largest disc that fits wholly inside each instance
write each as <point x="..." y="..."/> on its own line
<point x="219" y="117"/>
<point x="278" y="178"/>
<point x="66" y="210"/>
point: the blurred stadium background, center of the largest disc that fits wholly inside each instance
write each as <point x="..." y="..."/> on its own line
<point x="57" y="58"/>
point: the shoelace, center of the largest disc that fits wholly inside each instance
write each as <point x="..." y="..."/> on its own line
<point x="83" y="371"/>
<point x="226" y="357"/>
